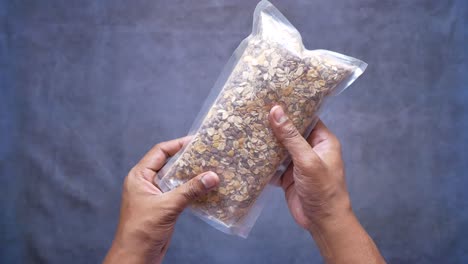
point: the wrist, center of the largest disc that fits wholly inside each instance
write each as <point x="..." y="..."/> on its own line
<point x="119" y="254"/>
<point x="332" y="222"/>
<point x="343" y="240"/>
<point x="132" y="251"/>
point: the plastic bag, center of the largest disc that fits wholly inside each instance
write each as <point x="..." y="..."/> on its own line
<point x="232" y="136"/>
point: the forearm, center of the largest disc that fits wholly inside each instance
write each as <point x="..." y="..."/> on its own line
<point x="344" y="240"/>
<point x="120" y="253"/>
<point x="116" y="255"/>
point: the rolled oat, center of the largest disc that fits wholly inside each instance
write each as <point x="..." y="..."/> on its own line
<point x="234" y="138"/>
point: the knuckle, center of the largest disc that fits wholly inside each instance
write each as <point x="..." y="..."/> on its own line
<point x="309" y="163"/>
<point x="289" y="131"/>
<point x="168" y="204"/>
<point x="337" y="143"/>
<point x="170" y="217"/>
<point x="133" y="170"/>
<point x="169" y="212"/>
<point x="157" y="146"/>
<point x="129" y="180"/>
<point x="334" y="142"/>
<point x="307" y="166"/>
<point x="191" y="191"/>
<point x="136" y="171"/>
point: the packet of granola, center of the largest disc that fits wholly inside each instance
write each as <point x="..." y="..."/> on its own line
<point x="232" y="136"/>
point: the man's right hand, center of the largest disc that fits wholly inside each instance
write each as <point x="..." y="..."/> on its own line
<point x="316" y="193"/>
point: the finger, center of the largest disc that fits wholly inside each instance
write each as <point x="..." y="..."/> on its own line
<point x="288" y="135"/>
<point x="321" y="133"/>
<point x="278" y="181"/>
<point x="323" y="140"/>
<point x="287" y="179"/>
<point x="325" y="144"/>
<point x="193" y="189"/>
<point x="157" y="156"/>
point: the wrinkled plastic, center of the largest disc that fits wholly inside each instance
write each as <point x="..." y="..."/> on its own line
<point x="231" y="134"/>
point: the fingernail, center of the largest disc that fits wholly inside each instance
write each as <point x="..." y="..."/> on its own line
<point x="278" y="114"/>
<point x="209" y="180"/>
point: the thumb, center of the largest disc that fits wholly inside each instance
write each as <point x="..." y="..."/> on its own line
<point x="183" y="195"/>
<point x="288" y="135"/>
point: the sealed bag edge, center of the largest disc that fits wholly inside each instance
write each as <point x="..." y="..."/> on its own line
<point x="243" y="227"/>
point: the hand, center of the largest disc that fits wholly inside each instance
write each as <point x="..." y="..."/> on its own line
<point x="147" y="215"/>
<point x="314" y="183"/>
<point x="316" y="193"/>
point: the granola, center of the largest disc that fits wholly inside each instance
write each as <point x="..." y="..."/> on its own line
<point x="234" y="138"/>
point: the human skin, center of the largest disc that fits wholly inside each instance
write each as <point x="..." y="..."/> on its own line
<point x="314" y="186"/>
<point x="316" y="193"/>
<point x="148" y="216"/>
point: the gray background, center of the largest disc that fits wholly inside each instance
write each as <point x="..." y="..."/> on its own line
<point x="87" y="87"/>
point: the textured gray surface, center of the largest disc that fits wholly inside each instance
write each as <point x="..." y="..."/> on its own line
<point x="88" y="86"/>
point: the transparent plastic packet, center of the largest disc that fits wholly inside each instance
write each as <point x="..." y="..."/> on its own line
<point x="231" y="135"/>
